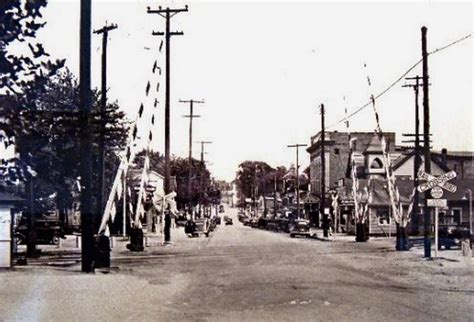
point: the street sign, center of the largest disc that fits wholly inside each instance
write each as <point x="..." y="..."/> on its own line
<point x="440" y="181"/>
<point x="440" y="203"/>
<point x="436" y="192"/>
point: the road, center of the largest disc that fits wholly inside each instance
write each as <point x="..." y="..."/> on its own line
<point x="242" y="274"/>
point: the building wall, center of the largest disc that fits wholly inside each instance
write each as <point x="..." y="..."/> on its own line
<point x="464" y="168"/>
<point x="337" y="151"/>
<point x="380" y="226"/>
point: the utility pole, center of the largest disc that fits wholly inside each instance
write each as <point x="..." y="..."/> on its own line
<point x="32" y="235"/>
<point x="426" y="140"/>
<point x="200" y="177"/>
<point x="323" y="177"/>
<point x="297" y="146"/>
<point x="202" y="149"/>
<point x="167" y="14"/>
<point x="103" y="104"/>
<point x="416" y="198"/>
<point x="85" y="96"/>
<point x="275" y="196"/>
<point x="190" y="157"/>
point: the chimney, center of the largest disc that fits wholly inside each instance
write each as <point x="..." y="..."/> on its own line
<point x="444" y="158"/>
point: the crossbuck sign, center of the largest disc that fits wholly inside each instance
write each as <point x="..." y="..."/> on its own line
<point x="439" y="181"/>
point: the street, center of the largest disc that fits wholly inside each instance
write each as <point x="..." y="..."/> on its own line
<point x="244" y="274"/>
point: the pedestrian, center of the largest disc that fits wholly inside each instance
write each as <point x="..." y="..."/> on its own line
<point x="167" y="224"/>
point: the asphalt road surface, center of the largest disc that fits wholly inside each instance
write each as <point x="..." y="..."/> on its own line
<point x="237" y="274"/>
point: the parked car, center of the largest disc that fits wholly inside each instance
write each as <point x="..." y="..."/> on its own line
<point x="197" y="227"/>
<point x="48" y="232"/>
<point x="283" y="224"/>
<point x="300" y="227"/>
<point x="451" y="236"/>
<point x="253" y="222"/>
<point x="272" y="224"/>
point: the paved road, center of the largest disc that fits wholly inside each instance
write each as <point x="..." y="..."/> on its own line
<point x="238" y="274"/>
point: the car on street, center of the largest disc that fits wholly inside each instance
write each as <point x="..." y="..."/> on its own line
<point x="197" y="227"/>
<point x="228" y="221"/>
<point x="301" y="227"/>
<point x="451" y="236"/>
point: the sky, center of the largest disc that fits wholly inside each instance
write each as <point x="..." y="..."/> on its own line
<point x="263" y="69"/>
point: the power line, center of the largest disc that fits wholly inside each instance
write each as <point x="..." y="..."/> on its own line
<point x="393" y="84"/>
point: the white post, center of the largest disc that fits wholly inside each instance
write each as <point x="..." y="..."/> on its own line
<point x="436" y="231"/>
<point x="124" y="228"/>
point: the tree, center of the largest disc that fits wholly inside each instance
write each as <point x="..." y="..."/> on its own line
<point x="44" y="121"/>
<point x="252" y="176"/>
<point x="19" y="22"/>
<point x="200" y="181"/>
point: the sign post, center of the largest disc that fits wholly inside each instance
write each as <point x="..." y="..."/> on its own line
<point x="435" y="184"/>
<point x="436" y="230"/>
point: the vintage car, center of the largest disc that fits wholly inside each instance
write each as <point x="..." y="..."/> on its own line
<point x="301" y="227"/>
<point x="451" y="236"/>
<point x="197" y="228"/>
<point x="48" y="231"/>
<point x="228" y="221"/>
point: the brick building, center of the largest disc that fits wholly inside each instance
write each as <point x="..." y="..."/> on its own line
<point x="367" y="153"/>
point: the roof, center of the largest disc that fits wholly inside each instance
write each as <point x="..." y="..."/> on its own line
<point x="9" y="198"/>
<point x="455" y="154"/>
<point x="404" y="158"/>
<point x="375" y="145"/>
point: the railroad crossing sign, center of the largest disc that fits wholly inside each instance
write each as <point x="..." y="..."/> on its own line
<point x="439" y="181"/>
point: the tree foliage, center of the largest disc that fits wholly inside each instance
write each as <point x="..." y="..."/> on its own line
<point x="22" y="59"/>
<point x="257" y="178"/>
<point x="45" y="122"/>
<point x="202" y="191"/>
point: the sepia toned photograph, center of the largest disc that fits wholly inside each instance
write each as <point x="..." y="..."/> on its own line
<point x="236" y="160"/>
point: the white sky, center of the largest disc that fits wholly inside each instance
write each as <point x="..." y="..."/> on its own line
<point x="263" y="69"/>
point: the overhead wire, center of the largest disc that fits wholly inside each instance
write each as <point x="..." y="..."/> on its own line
<point x="393" y="84"/>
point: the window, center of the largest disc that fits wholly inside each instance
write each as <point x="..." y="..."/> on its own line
<point x="443" y="218"/>
<point x="336" y="151"/>
<point x="376" y="164"/>
<point x="457" y="215"/>
<point x="383" y="215"/>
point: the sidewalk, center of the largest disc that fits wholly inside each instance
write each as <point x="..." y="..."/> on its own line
<point x="68" y="251"/>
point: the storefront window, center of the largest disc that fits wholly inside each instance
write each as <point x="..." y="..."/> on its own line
<point x="383" y="215"/>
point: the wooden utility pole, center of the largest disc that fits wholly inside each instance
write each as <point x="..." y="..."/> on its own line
<point x="85" y="96"/>
<point x="416" y="199"/>
<point x="426" y="141"/>
<point x="103" y="104"/>
<point x="297" y="145"/>
<point x="167" y="14"/>
<point x="200" y="177"/>
<point x="275" y="196"/>
<point x="190" y="156"/>
<point x="323" y="177"/>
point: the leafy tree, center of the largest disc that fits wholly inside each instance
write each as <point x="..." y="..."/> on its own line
<point x="179" y="167"/>
<point x="45" y="121"/>
<point x="251" y="175"/>
<point x="22" y="59"/>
